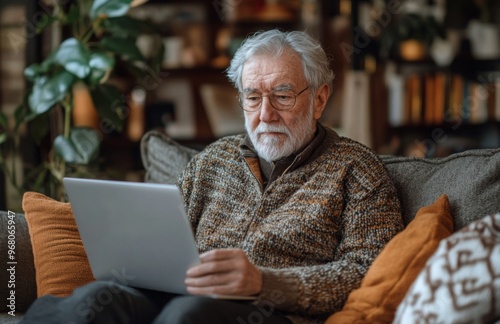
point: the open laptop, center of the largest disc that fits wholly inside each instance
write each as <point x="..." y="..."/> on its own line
<point x="135" y="233"/>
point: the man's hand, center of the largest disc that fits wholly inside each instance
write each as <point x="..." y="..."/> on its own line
<point x="224" y="272"/>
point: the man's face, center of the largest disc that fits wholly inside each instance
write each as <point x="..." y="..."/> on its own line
<point x="276" y="134"/>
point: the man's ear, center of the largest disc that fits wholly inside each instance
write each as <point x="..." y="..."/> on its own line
<point x="320" y="99"/>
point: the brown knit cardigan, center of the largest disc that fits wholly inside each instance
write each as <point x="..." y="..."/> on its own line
<point x="313" y="232"/>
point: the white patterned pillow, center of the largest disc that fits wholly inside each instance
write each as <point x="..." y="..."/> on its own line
<point x="461" y="281"/>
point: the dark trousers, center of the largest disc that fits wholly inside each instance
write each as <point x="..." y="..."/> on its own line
<point x="109" y="302"/>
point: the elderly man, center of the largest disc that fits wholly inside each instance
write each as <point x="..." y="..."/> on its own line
<point x="290" y="213"/>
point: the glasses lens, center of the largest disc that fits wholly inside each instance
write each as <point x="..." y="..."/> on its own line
<point x="282" y="99"/>
<point x="250" y="101"/>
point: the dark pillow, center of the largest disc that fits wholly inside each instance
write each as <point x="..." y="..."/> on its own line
<point x="24" y="276"/>
<point x="163" y="158"/>
<point x="470" y="179"/>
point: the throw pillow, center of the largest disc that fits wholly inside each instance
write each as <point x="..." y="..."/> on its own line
<point x="396" y="267"/>
<point x="470" y="179"/>
<point x="60" y="260"/>
<point x="163" y="158"/>
<point x="461" y="281"/>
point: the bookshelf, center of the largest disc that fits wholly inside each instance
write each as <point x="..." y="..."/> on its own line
<point x="435" y="109"/>
<point x="461" y="101"/>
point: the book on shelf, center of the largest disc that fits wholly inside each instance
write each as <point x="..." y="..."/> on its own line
<point x="414" y="95"/>
<point x="456" y="95"/>
<point x="396" y="87"/>
<point x="429" y="99"/>
<point x="440" y="88"/>
<point x="478" y="103"/>
<point x="497" y="98"/>
<point x="442" y="97"/>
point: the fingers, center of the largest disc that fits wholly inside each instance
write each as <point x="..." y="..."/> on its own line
<point x="225" y="271"/>
<point x="215" y="284"/>
<point x="219" y="261"/>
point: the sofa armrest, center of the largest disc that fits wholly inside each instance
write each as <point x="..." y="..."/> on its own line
<point x="20" y="279"/>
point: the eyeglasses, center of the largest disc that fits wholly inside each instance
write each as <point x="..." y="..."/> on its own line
<point x="280" y="99"/>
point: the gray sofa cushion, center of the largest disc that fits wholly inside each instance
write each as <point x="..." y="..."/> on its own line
<point x="25" y="283"/>
<point x="7" y="319"/>
<point x="163" y="158"/>
<point x="471" y="180"/>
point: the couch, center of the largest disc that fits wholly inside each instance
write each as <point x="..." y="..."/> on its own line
<point x="465" y="187"/>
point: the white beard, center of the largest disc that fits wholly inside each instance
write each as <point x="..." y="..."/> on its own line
<point x="272" y="148"/>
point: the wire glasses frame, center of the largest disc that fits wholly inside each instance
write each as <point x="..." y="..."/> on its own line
<point x="279" y="99"/>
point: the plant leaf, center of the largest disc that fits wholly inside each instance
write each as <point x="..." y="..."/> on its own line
<point x="111" y="104"/>
<point x="82" y="146"/>
<point x="45" y="22"/>
<point x="48" y="91"/>
<point x="23" y="113"/>
<point x="35" y="69"/>
<point x="3" y="127"/>
<point x="125" y="47"/>
<point x="109" y="8"/>
<point x="39" y="127"/>
<point x="3" y="120"/>
<point x="100" y="64"/>
<point x="40" y="179"/>
<point x="73" y="14"/>
<point x="3" y="138"/>
<point x="74" y="57"/>
<point x="127" y="26"/>
<point x="32" y="71"/>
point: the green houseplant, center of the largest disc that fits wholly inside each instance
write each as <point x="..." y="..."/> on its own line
<point x="101" y="37"/>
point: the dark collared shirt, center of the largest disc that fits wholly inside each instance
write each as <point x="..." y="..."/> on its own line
<point x="270" y="171"/>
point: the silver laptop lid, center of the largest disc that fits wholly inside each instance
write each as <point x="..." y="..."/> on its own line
<point x="135" y="233"/>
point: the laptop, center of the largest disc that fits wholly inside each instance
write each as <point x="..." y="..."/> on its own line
<point x="135" y="233"/>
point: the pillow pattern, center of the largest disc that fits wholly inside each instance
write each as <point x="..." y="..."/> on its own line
<point x="163" y="158"/>
<point x="61" y="264"/>
<point x="461" y="281"/>
<point x="393" y="271"/>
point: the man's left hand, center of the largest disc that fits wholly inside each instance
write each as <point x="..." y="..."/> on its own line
<point x="224" y="272"/>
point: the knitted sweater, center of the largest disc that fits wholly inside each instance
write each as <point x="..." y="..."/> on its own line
<point x="313" y="232"/>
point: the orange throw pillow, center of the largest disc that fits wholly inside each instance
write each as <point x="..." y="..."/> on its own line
<point x="60" y="260"/>
<point x="397" y="266"/>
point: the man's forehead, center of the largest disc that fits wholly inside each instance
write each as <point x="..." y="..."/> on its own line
<point x="283" y="71"/>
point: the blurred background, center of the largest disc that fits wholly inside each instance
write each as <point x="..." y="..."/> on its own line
<point x="412" y="77"/>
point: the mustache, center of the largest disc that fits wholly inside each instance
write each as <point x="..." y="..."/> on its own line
<point x="267" y="128"/>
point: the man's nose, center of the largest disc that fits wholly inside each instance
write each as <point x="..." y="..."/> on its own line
<point x="267" y="112"/>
